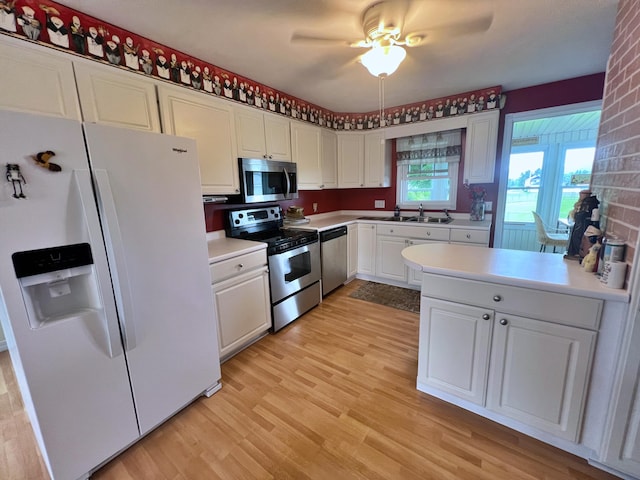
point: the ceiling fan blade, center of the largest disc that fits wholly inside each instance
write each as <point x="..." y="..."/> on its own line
<point x="319" y="40"/>
<point x="435" y="34"/>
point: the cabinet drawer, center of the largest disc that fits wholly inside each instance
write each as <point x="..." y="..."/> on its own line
<point x="470" y="236"/>
<point x="233" y="266"/>
<point x="552" y="307"/>
<point x="425" y="233"/>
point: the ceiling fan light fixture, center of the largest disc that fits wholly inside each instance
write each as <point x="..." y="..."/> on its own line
<point x="382" y="61"/>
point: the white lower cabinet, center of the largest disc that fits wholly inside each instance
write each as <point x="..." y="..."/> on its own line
<point x="532" y="367"/>
<point x="539" y="372"/>
<point x="455" y="341"/>
<point x="392" y="239"/>
<point x="241" y="301"/>
<point x="367" y="248"/>
<point x="352" y="250"/>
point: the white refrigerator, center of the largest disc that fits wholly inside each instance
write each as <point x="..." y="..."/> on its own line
<point x="105" y="294"/>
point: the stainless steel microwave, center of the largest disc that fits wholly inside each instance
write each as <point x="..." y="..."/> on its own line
<point x="267" y="180"/>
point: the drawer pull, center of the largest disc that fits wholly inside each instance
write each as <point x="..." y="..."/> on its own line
<point x="240" y="265"/>
<point x="468" y="235"/>
<point x="428" y="234"/>
<point x="486" y="316"/>
<point x="391" y="231"/>
<point x="497" y="298"/>
<point x="504" y="321"/>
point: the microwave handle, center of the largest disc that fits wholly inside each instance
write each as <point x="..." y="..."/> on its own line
<point x="286" y="176"/>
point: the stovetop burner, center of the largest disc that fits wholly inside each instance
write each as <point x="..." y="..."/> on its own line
<point x="265" y="224"/>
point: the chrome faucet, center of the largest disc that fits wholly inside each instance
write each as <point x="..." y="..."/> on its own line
<point x="446" y="212"/>
<point x="420" y="211"/>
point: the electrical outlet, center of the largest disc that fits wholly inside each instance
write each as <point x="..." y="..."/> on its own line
<point x="378" y="203"/>
<point x="315" y="208"/>
<point x="488" y="206"/>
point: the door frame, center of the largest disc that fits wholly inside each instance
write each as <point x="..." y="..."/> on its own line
<point x="509" y="120"/>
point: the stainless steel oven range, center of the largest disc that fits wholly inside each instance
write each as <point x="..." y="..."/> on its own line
<point x="293" y="257"/>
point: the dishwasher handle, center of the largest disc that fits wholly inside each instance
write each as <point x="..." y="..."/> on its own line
<point x="333" y="233"/>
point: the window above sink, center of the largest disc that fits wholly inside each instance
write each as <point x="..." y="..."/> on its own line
<point x="428" y="169"/>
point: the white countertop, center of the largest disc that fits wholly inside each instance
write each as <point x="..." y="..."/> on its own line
<point x="224" y="248"/>
<point x="541" y="271"/>
<point x="337" y="219"/>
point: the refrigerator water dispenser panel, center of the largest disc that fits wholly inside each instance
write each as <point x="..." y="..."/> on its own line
<point x="57" y="283"/>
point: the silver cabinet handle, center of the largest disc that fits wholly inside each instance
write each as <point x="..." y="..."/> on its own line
<point x="428" y="234"/>
<point x="497" y="298"/>
<point x="468" y="235"/>
<point x="486" y="316"/>
<point x="504" y="321"/>
<point x="240" y="265"/>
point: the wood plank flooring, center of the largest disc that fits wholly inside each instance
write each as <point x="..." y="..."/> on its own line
<point x="332" y="396"/>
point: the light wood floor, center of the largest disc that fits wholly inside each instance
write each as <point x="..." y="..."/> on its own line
<point x="332" y="396"/>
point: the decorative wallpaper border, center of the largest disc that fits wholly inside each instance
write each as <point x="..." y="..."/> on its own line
<point x="63" y="28"/>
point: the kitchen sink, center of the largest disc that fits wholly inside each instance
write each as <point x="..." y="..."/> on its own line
<point x="415" y="218"/>
<point x="430" y="219"/>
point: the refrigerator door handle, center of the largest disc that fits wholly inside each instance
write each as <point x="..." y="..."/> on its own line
<point x="83" y="183"/>
<point x="115" y="250"/>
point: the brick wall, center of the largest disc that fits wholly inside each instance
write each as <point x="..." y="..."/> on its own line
<point x="616" y="170"/>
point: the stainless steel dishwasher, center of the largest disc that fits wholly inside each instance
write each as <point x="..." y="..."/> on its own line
<point x="333" y="249"/>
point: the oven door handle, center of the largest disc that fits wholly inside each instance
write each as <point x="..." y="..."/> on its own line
<point x="286" y="177"/>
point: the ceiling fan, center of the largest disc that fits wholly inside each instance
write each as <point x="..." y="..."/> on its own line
<point x="383" y="25"/>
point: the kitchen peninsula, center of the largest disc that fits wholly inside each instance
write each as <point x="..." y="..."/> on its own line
<point x="526" y="339"/>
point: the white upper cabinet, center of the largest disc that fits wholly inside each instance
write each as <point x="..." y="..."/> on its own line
<point x="377" y="161"/>
<point x="350" y="160"/>
<point x="329" y="150"/>
<point x="363" y="160"/>
<point x="480" y="147"/>
<point x="262" y="135"/>
<point x="113" y="97"/>
<point x="305" y="149"/>
<point x="36" y="80"/>
<point x="211" y="122"/>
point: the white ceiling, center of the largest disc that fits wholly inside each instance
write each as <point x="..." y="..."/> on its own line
<point x="529" y="42"/>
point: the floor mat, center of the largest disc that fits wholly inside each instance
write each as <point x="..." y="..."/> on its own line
<point x="389" y="295"/>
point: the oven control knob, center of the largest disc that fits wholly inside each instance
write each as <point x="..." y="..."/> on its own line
<point x="240" y="215"/>
<point x="237" y="221"/>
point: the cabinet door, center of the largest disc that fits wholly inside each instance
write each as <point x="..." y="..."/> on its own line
<point x="352" y="250"/>
<point x="37" y="81"/>
<point x="277" y="131"/>
<point x="210" y="122"/>
<point x="376" y="168"/>
<point x="539" y="373"/>
<point x="350" y="161"/>
<point x="329" y="159"/>
<point x="389" y="261"/>
<point x="454" y="348"/>
<point x="366" y="248"/>
<point x="305" y="146"/>
<point x="480" y="147"/>
<point x="241" y="321"/>
<point x="622" y="450"/>
<point x="250" y="133"/>
<point x="414" y="276"/>
<point x="111" y="97"/>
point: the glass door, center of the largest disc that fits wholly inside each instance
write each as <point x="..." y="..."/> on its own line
<point x="547" y="160"/>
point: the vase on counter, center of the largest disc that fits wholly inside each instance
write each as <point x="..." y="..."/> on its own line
<point x="477" y="210"/>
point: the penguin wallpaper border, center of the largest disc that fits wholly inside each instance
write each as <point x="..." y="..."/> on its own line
<point x="54" y="25"/>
